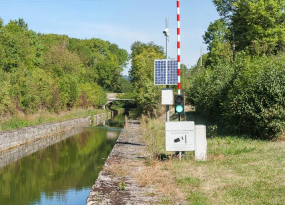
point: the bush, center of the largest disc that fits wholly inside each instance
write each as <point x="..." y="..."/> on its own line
<point x="91" y="95"/>
<point x="255" y="103"/>
<point x="247" y="98"/>
<point x="208" y="89"/>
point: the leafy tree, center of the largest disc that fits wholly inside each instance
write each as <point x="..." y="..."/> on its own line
<point x="217" y="37"/>
<point x="259" y="26"/>
<point x="122" y="55"/>
<point x="54" y="72"/>
<point x="125" y="85"/>
<point x="22" y="47"/>
<point x="142" y="75"/>
<point x="92" y="95"/>
<point x="21" y="23"/>
<point x="216" y="33"/>
<point x="1" y="23"/>
<point x="225" y="8"/>
<point x="104" y="61"/>
<point x="138" y="47"/>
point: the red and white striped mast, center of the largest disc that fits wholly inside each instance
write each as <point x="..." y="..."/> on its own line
<point x="178" y="46"/>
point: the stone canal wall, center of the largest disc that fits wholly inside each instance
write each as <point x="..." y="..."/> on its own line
<point x="13" y="155"/>
<point x="16" y="138"/>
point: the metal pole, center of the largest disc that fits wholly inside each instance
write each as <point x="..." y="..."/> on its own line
<point x="178" y="54"/>
<point x="178" y="45"/>
<point x="167" y="86"/>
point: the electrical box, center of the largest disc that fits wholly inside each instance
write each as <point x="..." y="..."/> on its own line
<point x="167" y="96"/>
<point x="200" y="143"/>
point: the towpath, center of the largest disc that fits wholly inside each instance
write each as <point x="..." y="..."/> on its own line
<point x="116" y="183"/>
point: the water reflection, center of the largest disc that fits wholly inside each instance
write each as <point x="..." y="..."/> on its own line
<point x="15" y="154"/>
<point x="62" y="173"/>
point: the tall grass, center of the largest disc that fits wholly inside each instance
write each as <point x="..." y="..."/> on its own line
<point x="239" y="170"/>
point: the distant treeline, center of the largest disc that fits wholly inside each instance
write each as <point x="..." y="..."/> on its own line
<point x="54" y="72"/>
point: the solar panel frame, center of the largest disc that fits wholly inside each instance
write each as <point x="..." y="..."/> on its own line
<point x="165" y="72"/>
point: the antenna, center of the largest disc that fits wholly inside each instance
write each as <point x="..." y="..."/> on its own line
<point x="166" y="23"/>
<point x="166" y="30"/>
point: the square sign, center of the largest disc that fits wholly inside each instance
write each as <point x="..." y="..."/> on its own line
<point x="179" y="136"/>
<point x="165" y="72"/>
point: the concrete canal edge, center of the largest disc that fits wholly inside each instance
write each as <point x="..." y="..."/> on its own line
<point x="15" y="138"/>
<point x="116" y="183"/>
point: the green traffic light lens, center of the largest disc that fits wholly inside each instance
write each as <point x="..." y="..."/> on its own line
<point x="179" y="108"/>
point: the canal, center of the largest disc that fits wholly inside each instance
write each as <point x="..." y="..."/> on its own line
<point x="61" y="173"/>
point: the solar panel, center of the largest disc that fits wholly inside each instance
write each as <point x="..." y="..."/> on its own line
<point x="165" y="72"/>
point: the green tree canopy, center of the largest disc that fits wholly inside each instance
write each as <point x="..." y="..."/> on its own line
<point x="142" y="76"/>
<point x="55" y="72"/>
<point x="217" y="38"/>
<point x="259" y="26"/>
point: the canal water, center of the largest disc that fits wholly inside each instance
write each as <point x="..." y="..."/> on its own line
<point x="61" y="173"/>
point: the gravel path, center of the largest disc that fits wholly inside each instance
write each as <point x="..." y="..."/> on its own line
<point x="124" y="161"/>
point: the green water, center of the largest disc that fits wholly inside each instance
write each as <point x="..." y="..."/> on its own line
<point x="62" y="173"/>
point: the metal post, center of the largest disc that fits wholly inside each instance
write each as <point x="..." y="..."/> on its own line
<point x="166" y="53"/>
<point x="178" y="45"/>
<point x="178" y="54"/>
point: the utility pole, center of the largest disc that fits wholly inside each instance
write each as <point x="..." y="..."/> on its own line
<point x="166" y="33"/>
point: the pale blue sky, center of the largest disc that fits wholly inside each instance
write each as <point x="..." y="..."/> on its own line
<point x="119" y="21"/>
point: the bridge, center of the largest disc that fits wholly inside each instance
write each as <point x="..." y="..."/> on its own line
<point x="111" y="97"/>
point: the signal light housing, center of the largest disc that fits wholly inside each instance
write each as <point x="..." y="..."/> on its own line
<point x="179" y="104"/>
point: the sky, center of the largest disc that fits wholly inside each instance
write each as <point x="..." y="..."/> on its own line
<point x="119" y="21"/>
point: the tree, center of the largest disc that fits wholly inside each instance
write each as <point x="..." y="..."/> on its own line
<point x="1" y="23"/>
<point x="22" y="47"/>
<point x="104" y="61"/>
<point x="139" y="48"/>
<point x="21" y="23"/>
<point x="142" y="76"/>
<point x="55" y="72"/>
<point x="259" y="26"/>
<point x="217" y="38"/>
<point x="225" y="8"/>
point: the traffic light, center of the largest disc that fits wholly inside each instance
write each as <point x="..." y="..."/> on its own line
<point x="179" y="103"/>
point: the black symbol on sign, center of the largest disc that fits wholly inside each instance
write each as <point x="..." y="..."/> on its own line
<point x="181" y="139"/>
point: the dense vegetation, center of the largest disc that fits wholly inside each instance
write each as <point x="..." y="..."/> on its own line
<point x="239" y="87"/>
<point x="243" y="91"/>
<point x="146" y="94"/>
<point x="54" y="72"/>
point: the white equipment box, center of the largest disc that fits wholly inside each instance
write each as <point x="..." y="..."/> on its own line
<point x="167" y="96"/>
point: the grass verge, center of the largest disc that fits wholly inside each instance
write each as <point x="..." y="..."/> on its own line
<point x="21" y="120"/>
<point x="239" y="170"/>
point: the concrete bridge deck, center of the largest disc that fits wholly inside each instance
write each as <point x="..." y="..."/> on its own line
<point x="111" y="97"/>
